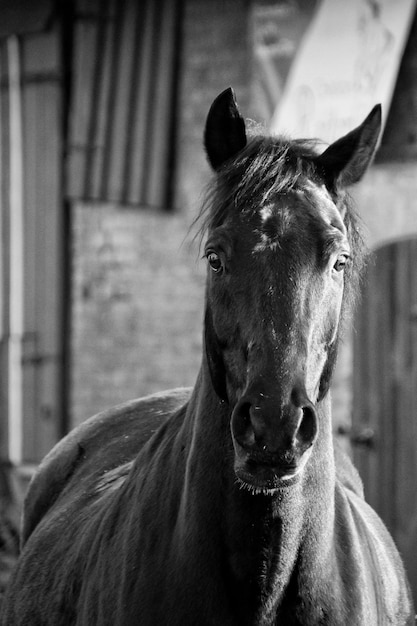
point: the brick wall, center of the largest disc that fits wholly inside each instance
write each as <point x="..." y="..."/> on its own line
<point x="137" y="307"/>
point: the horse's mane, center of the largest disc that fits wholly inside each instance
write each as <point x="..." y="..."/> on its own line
<point x="267" y="165"/>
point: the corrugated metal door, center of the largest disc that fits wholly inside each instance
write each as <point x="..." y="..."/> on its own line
<point x="123" y="113"/>
<point x="385" y="384"/>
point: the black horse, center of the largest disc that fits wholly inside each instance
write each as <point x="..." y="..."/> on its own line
<point x="228" y="504"/>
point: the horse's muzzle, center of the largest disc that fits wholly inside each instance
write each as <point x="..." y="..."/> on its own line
<point x="272" y="442"/>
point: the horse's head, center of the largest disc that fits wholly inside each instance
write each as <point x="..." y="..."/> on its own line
<point x="281" y="249"/>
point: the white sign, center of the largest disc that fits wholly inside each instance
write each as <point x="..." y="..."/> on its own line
<point x="347" y="62"/>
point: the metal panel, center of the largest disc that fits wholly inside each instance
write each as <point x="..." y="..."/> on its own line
<point x="5" y="261"/>
<point x="123" y="113"/>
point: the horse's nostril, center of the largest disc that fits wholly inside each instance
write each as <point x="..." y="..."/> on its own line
<point x="242" y="424"/>
<point x="243" y="414"/>
<point x="307" y="428"/>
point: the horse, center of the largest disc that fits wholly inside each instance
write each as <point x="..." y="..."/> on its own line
<point x="229" y="503"/>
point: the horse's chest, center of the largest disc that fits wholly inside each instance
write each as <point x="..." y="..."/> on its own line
<point x="308" y="607"/>
<point x="302" y="616"/>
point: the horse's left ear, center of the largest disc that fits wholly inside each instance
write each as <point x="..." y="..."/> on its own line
<point x="225" y="133"/>
<point x="346" y="160"/>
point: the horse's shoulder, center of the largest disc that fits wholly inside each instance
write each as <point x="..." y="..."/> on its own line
<point x="105" y="444"/>
<point x="367" y="552"/>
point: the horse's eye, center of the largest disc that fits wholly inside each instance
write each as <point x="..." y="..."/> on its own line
<point x="341" y="262"/>
<point x="215" y="262"/>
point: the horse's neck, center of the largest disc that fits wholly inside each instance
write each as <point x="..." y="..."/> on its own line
<point x="266" y="538"/>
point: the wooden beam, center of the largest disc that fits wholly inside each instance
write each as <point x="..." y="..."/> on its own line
<point x="16" y="309"/>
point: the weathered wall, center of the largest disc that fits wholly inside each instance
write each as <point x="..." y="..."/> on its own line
<point x="137" y="306"/>
<point x="138" y="280"/>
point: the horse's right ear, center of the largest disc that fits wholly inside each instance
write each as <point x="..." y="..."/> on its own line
<point x="346" y="160"/>
<point x="225" y="133"/>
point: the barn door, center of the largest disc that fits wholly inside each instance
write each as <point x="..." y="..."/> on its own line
<point x="32" y="298"/>
<point x="385" y="385"/>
